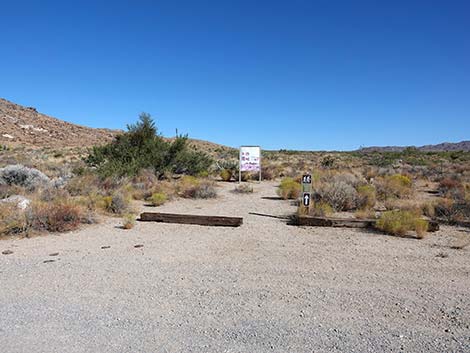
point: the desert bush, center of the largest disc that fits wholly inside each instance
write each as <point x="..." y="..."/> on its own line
<point x="320" y="209"/>
<point x="191" y="187"/>
<point x="365" y="213"/>
<point x="158" y="199"/>
<point x="340" y="196"/>
<point x="226" y="174"/>
<point x="205" y="190"/>
<point x="401" y="222"/>
<point x="268" y="173"/>
<point x="142" y="148"/>
<point x="55" y="216"/>
<point x="12" y="221"/>
<point x="366" y="196"/>
<point x="289" y="189"/>
<point x="346" y="178"/>
<point x="128" y="221"/>
<point x="397" y="185"/>
<point x="243" y="189"/>
<point x="22" y="176"/>
<point x="452" y="211"/>
<point x="85" y="184"/>
<point x="117" y="203"/>
<point x="452" y="188"/>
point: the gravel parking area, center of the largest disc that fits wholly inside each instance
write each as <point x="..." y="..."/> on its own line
<point x="262" y="287"/>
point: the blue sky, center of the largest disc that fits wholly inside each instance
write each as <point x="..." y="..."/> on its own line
<point x="292" y="74"/>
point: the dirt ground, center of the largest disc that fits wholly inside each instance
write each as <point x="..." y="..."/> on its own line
<point x="263" y="287"/>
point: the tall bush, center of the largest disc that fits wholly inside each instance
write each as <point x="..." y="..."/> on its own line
<point x="141" y="147"/>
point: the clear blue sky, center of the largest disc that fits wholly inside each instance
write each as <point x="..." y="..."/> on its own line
<point x="281" y="74"/>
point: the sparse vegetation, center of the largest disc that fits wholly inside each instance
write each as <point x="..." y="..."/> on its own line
<point x="401" y="222"/>
<point x="128" y="221"/>
<point x="142" y="148"/>
<point x="158" y="199"/>
<point x="289" y="189"/>
<point x="244" y="189"/>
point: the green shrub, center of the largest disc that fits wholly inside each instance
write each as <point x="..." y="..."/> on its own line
<point x="226" y="174"/>
<point x="400" y="222"/>
<point x="142" y="148"/>
<point x="158" y="199"/>
<point x="289" y="189"/>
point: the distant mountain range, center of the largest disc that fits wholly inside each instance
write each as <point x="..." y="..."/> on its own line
<point x="441" y="147"/>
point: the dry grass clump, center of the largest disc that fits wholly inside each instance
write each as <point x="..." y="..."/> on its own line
<point x="118" y="203"/>
<point x="398" y="186"/>
<point x="128" y="221"/>
<point x="401" y="222"/>
<point x="320" y="209"/>
<point x="12" y="221"/>
<point x="61" y="216"/>
<point x="366" y="196"/>
<point x="193" y="188"/>
<point x="158" y="199"/>
<point x="243" y="189"/>
<point x="289" y="189"/>
<point x="365" y="213"/>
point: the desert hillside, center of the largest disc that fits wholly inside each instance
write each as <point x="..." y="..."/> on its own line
<point x="26" y="126"/>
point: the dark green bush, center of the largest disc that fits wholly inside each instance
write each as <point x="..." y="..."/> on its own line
<point x="142" y="148"/>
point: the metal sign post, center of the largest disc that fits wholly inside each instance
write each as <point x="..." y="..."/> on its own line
<point x="306" y="191"/>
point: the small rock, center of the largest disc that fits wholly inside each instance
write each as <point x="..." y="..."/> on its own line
<point x="105" y="247"/>
<point x="138" y="246"/>
<point x="54" y="254"/>
<point x="7" y="252"/>
<point x="48" y="261"/>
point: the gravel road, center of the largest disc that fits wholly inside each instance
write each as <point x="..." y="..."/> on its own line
<point x="262" y="287"/>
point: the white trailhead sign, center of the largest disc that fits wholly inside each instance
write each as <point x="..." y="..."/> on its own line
<point x="250" y="160"/>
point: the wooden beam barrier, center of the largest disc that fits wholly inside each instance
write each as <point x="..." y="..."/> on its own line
<point x="217" y="221"/>
<point x="433" y="226"/>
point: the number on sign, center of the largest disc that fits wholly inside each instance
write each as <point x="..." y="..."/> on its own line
<point x="306" y="179"/>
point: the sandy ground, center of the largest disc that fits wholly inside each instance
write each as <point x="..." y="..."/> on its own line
<point x="263" y="287"/>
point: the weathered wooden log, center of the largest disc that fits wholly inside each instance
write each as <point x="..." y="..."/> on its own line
<point x="433" y="226"/>
<point x="219" y="221"/>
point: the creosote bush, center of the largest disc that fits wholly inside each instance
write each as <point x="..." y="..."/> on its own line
<point x="401" y="222"/>
<point x="289" y="189"/>
<point x="142" y="148"/>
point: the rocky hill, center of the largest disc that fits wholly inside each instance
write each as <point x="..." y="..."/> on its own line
<point x="26" y="126"/>
<point x="441" y="147"/>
